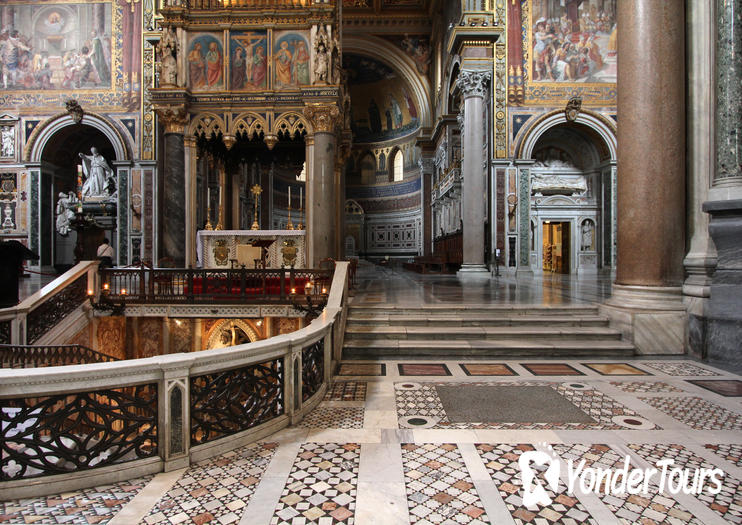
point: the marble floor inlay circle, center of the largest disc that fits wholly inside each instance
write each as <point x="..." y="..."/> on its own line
<point x="634" y="422"/>
<point x="418" y="421"/>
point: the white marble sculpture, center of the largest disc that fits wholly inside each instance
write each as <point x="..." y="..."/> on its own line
<point x="99" y="175"/>
<point x="587" y="236"/>
<point x="8" y="220"/>
<point x="542" y="184"/>
<point x="8" y="141"/>
<point x="65" y="212"/>
<point x="167" y="48"/>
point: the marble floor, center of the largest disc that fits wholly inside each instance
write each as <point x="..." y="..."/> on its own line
<point x="28" y="286"/>
<point x="393" y="443"/>
<point x="381" y="285"/>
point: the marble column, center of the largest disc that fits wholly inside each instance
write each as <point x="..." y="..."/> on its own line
<point x="191" y="160"/>
<point x="473" y="86"/>
<point x="725" y="196"/>
<point x="646" y="303"/>
<point x="700" y="260"/>
<point x="321" y="226"/>
<point x="173" y="190"/>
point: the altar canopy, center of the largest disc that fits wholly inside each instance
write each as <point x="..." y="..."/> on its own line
<point x="218" y="248"/>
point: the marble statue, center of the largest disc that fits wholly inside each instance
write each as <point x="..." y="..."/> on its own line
<point x="587" y="236"/>
<point x="553" y="163"/>
<point x="321" y="63"/>
<point x="8" y="220"/>
<point x="167" y="48"/>
<point x="98" y="173"/>
<point x="542" y="183"/>
<point x="65" y="211"/>
<point x="8" y="141"/>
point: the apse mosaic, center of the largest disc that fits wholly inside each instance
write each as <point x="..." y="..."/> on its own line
<point x="205" y="62"/>
<point x="248" y="60"/>
<point x="291" y="61"/>
<point x="52" y="49"/>
<point x="383" y="107"/>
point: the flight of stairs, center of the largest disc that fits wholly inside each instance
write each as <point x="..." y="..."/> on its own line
<point x="497" y="331"/>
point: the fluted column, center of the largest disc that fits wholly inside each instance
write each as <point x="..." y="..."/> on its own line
<point x="725" y="196"/>
<point x="191" y="158"/>
<point x="172" y="191"/>
<point x="473" y="86"/>
<point x="320" y="224"/>
<point x="646" y="300"/>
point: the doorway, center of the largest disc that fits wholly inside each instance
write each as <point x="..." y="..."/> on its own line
<point x="556" y="247"/>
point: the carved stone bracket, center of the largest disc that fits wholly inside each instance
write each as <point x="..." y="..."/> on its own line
<point x="573" y="108"/>
<point x="473" y="83"/>
<point x="75" y="110"/>
<point x="324" y="118"/>
<point x="174" y="118"/>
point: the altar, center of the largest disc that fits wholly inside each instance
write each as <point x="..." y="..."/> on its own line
<point x="218" y="248"/>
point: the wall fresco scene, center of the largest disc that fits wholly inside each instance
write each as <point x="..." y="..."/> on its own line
<point x="248" y="52"/>
<point x="205" y="62"/>
<point x="291" y="60"/>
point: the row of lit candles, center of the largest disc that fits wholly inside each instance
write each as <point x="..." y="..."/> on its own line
<point x="308" y="289"/>
<point x="106" y="289"/>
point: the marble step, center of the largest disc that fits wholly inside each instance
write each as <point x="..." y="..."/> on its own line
<point x="469" y="309"/>
<point x="360" y="349"/>
<point x="368" y="332"/>
<point x="476" y="320"/>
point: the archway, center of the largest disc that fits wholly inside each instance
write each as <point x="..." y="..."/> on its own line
<point x="572" y="199"/>
<point x="59" y="158"/>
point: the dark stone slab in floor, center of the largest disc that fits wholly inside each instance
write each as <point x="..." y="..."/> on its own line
<point x="508" y="404"/>
<point x="723" y="387"/>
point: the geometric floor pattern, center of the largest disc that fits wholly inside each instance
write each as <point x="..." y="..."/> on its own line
<point x="652" y="507"/>
<point x="696" y="412"/>
<point x="96" y="505"/>
<point x="216" y="490"/>
<point x="502" y="465"/>
<point x="439" y="489"/>
<point x="727" y="504"/>
<point x="421" y="400"/>
<point x="446" y="472"/>
<point x="321" y="487"/>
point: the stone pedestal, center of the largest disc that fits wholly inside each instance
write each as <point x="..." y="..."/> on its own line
<point x="473" y="85"/>
<point x="647" y="302"/>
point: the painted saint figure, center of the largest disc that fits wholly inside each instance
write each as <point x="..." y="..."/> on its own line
<point x="213" y="65"/>
<point x="301" y="62"/>
<point x="197" y="66"/>
<point x="238" y="69"/>
<point x="97" y="172"/>
<point x="259" y="68"/>
<point x="283" y="60"/>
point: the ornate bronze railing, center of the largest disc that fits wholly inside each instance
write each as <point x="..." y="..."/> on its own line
<point x="196" y="285"/>
<point x="149" y="415"/>
<point x="30" y="356"/>
<point x="195" y="5"/>
<point x="49" y="313"/>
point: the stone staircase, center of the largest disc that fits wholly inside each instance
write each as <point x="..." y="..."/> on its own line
<point x="497" y="331"/>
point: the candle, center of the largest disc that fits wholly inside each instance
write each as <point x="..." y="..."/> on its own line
<point x="289" y="197"/>
<point x="208" y="197"/>
<point x="301" y="193"/>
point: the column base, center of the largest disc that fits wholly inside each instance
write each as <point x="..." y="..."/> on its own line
<point x="473" y="270"/>
<point x="653" y="318"/>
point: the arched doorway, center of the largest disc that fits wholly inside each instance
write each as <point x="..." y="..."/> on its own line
<point x="58" y="169"/>
<point x="572" y="201"/>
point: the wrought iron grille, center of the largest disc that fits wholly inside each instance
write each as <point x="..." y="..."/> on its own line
<point x="27" y="356"/>
<point x="224" y="403"/>
<point x="5" y="332"/>
<point x="312" y="368"/>
<point x="65" y="433"/>
<point x="46" y="316"/>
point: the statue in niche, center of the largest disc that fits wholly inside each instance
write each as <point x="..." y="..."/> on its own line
<point x="99" y="181"/>
<point x="8" y="141"/>
<point x="65" y="212"/>
<point x="167" y="48"/>
<point x="587" y="236"/>
<point x="321" y="64"/>
<point x="8" y="220"/>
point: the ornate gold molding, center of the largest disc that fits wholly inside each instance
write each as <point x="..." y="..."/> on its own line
<point x="174" y="118"/>
<point x="324" y="118"/>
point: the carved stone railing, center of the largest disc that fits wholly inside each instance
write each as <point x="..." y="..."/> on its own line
<point x="41" y="316"/>
<point x="28" y="356"/>
<point x="69" y="427"/>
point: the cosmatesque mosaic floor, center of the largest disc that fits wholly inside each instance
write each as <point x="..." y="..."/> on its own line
<point x="442" y="442"/>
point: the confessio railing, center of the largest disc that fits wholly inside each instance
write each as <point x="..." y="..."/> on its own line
<point x="68" y="427"/>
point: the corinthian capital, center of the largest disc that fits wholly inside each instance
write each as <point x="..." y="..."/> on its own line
<point x="174" y="118"/>
<point x="473" y="83"/>
<point x="324" y="118"/>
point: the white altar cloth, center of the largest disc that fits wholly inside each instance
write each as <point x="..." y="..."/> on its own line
<point x="206" y="241"/>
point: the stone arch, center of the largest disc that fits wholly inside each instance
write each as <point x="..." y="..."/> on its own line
<point x="245" y="326"/>
<point x="207" y="124"/>
<point x="451" y="89"/>
<point x="44" y="132"/>
<point x="597" y="124"/>
<point x="249" y="124"/>
<point x="290" y="124"/>
<point x="379" y="49"/>
<point x="393" y="166"/>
